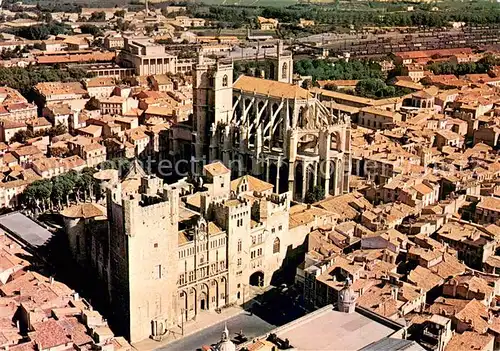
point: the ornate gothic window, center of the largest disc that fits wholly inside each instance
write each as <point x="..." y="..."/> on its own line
<point x="284" y="71"/>
<point x="224" y="81"/>
<point x="276" y="245"/>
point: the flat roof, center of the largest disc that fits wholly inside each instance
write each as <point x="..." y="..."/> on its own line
<point x="25" y="229"/>
<point x="328" y="329"/>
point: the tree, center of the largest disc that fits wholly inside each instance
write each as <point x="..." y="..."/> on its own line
<point x="21" y="136"/>
<point x="99" y="16"/>
<point x="46" y="17"/>
<point x="58" y="129"/>
<point x="149" y="29"/>
<point x="93" y="104"/>
<point x="58" y="152"/>
<point x="315" y="195"/>
<point x="340" y="69"/>
<point x="43" y="191"/>
<point x="307" y="84"/>
<point x="120" y="13"/>
<point x="58" y="191"/>
<point x="91" y="29"/>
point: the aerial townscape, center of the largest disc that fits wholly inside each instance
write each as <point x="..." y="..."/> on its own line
<point x="254" y="175"/>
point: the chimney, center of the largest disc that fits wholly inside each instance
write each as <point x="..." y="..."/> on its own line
<point x="395" y="292"/>
<point x="51" y="280"/>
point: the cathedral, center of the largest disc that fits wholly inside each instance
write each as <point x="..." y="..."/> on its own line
<point x="270" y="128"/>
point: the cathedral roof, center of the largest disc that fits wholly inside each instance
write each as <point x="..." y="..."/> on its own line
<point x="270" y="87"/>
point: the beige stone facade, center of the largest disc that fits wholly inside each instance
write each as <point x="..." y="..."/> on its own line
<point x="147" y="57"/>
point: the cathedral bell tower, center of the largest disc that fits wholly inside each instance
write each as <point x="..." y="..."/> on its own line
<point x="212" y="105"/>
<point x="283" y="65"/>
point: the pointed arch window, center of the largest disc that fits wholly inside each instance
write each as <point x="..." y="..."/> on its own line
<point x="276" y="245"/>
<point x="284" y="71"/>
<point x="225" y="81"/>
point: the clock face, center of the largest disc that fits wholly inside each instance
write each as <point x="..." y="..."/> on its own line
<point x="201" y="236"/>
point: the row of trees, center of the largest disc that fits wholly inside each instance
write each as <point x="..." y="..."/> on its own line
<point x="41" y="31"/>
<point x="341" y="15"/>
<point x="60" y="191"/>
<point x="24" y="79"/>
<point x="460" y="69"/>
<point x="341" y="69"/>
<point x="378" y="89"/>
<point x="23" y="135"/>
<point x="373" y="88"/>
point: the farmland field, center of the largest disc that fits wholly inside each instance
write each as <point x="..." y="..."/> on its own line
<point x="251" y="2"/>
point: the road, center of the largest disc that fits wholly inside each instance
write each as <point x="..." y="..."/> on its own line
<point x="251" y="326"/>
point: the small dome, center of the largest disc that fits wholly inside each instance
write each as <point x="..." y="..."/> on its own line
<point x="225" y="343"/>
<point x="347" y="298"/>
<point x="227" y="346"/>
<point x="347" y="294"/>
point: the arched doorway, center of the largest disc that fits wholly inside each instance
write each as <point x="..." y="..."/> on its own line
<point x="203" y="301"/>
<point x="257" y="279"/>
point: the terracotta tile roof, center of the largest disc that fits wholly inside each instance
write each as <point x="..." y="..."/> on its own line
<point x="493" y="261"/>
<point x="254" y="184"/>
<point x="46" y="164"/>
<point x="26" y="151"/>
<point x="91" y="129"/>
<point x="301" y="214"/>
<point x="476" y="315"/>
<point x="469" y="340"/>
<point x="216" y="168"/>
<point x="60" y="88"/>
<point x="93" y="146"/>
<point x="351" y="83"/>
<point x="423" y="189"/>
<point x="87" y="210"/>
<point x="448" y="267"/>
<point x="379" y="300"/>
<point x="489" y="203"/>
<point x="471" y="312"/>
<point x="8" y="124"/>
<point x="424" y="278"/>
<point x="136" y="134"/>
<point x="347" y="206"/>
<point x="60" y="109"/>
<point x="380" y="112"/>
<point x="473" y="284"/>
<point x="162" y="79"/>
<point x="97" y="82"/>
<point x="342" y="96"/>
<point x="49" y="334"/>
<point x="72" y="162"/>
<point x="89" y="57"/>
<point x="75" y="330"/>
<point x="39" y="122"/>
<point x="268" y="87"/>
